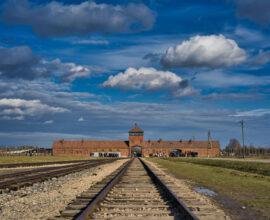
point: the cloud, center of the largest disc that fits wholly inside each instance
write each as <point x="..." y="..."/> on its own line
<point x="49" y="122"/>
<point x="234" y="97"/>
<point x="253" y="113"/>
<point x="150" y="79"/>
<point x="255" y="10"/>
<point x="17" y="109"/>
<point x="261" y="58"/>
<point x="68" y="72"/>
<point x="20" y="62"/>
<point x="94" y="42"/>
<point x="188" y="91"/>
<point x="222" y="79"/>
<point x="152" y="57"/>
<point x="179" y="119"/>
<point x="143" y="78"/>
<point x="80" y="119"/>
<point x="204" y="51"/>
<point x="58" y="19"/>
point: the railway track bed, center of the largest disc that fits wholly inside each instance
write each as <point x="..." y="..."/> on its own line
<point x="130" y="192"/>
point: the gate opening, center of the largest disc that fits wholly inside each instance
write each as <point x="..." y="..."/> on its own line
<point x="136" y="151"/>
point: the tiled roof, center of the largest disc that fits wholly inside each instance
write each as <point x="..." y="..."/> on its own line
<point x="136" y="129"/>
<point x="181" y="143"/>
<point x="91" y="144"/>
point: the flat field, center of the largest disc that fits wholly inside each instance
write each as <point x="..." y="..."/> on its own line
<point x="241" y="165"/>
<point x="249" y="189"/>
<point x="39" y="159"/>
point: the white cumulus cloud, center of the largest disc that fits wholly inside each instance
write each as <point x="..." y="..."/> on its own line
<point x="143" y="78"/>
<point x="204" y="51"/>
<point x="150" y="79"/>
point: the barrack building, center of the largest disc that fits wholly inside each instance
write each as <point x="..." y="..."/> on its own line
<point x="136" y="145"/>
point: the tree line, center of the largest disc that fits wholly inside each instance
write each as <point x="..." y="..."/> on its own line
<point x="234" y="148"/>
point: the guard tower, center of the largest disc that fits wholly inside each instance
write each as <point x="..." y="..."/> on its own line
<point x="135" y="138"/>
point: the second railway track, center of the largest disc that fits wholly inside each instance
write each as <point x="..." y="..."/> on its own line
<point x="131" y="192"/>
<point x="19" y="179"/>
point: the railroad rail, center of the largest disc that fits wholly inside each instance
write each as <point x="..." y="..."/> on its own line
<point x="13" y="181"/>
<point x="132" y="191"/>
<point x="15" y="165"/>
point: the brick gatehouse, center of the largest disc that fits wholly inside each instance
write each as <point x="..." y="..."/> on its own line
<point x="136" y="146"/>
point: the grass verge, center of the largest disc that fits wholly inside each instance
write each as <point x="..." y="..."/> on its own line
<point x="252" y="167"/>
<point x="38" y="159"/>
<point x="249" y="189"/>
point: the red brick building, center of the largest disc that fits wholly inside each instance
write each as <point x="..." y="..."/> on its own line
<point x="136" y="145"/>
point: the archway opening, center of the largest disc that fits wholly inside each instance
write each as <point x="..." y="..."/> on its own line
<point x="136" y="151"/>
<point x="177" y="153"/>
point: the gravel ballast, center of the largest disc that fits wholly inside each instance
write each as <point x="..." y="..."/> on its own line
<point x="47" y="199"/>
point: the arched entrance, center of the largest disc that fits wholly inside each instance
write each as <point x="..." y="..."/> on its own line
<point x="136" y="151"/>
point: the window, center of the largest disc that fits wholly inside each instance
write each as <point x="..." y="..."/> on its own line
<point x="63" y="151"/>
<point x="86" y="151"/>
<point x="56" y="151"/>
<point x="70" y="151"/>
<point x="140" y="141"/>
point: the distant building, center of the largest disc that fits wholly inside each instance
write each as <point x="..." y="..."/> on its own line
<point x="136" y="146"/>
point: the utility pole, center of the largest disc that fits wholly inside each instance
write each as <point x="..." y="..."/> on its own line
<point x="242" y="124"/>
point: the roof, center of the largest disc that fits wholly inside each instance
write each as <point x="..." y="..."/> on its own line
<point x="136" y="129"/>
<point x="91" y="144"/>
<point x="181" y="144"/>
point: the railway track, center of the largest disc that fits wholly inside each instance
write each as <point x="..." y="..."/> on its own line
<point x="14" y="181"/>
<point x="131" y="192"/>
<point x="16" y="165"/>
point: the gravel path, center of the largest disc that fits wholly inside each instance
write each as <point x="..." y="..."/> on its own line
<point x="47" y="199"/>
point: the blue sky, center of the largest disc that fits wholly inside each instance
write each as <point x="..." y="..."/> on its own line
<point x="91" y="69"/>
